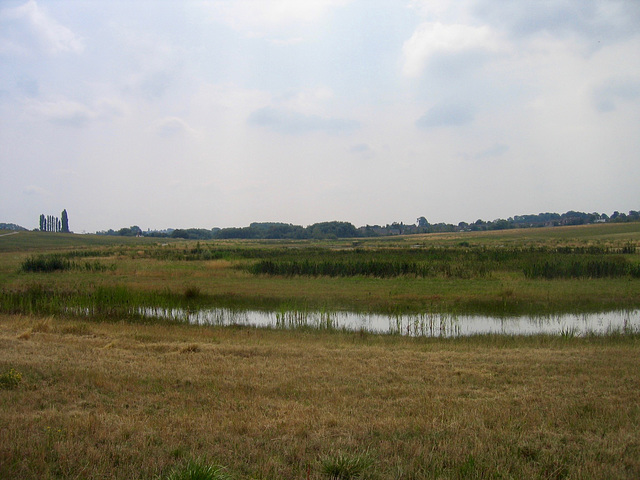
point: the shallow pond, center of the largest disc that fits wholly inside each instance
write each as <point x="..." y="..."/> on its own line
<point x="430" y="325"/>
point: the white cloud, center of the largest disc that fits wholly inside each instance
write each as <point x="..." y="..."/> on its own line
<point x="34" y="190"/>
<point x="171" y="127"/>
<point x="28" y="27"/>
<point x="360" y="148"/>
<point x="609" y="94"/>
<point x="307" y="99"/>
<point x="441" y="10"/>
<point x="71" y="113"/>
<point x="497" y="150"/>
<point x="432" y="38"/>
<point x="260" y="18"/>
<point x="446" y="115"/>
<point x="64" y="112"/>
<point x="152" y="63"/>
<point x="594" y="21"/>
<point x="291" y="122"/>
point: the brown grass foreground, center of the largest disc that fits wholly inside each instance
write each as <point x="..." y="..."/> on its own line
<point x="119" y="400"/>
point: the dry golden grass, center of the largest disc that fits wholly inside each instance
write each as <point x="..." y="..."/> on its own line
<point x="119" y="400"/>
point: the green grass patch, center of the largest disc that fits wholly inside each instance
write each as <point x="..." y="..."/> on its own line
<point x="10" y="379"/>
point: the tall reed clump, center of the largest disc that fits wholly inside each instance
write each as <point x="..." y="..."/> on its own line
<point x="46" y="263"/>
<point x="567" y="267"/>
<point x="102" y="302"/>
<point x="57" y="262"/>
<point x="368" y="268"/>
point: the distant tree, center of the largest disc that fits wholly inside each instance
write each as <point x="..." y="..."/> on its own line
<point x="133" y="231"/>
<point x="478" y="225"/>
<point x="500" y="224"/>
<point x="333" y="229"/>
<point x="65" y="221"/>
<point x="422" y="222"/>
<point x="43" y="223"/>
<point x="192" y="234"/>
<point x="235" y="232"/>
<point x="12" y="226"/>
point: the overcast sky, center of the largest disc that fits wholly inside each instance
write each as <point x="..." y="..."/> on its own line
<point x="221" y="113"/>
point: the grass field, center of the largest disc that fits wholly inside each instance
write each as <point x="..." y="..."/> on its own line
<point x="111" y="395"/>
<point x="124" y="400"/>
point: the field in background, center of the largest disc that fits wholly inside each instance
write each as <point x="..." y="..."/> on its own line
<point x="568" y="269"/>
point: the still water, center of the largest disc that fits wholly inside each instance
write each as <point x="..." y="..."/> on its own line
<point x="430" y="325"/>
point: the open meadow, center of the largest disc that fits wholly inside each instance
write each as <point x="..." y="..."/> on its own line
<point x="84" y="399"/>
<point x="89" y="388"/>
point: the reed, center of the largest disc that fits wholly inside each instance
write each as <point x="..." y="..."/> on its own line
<point x="60" y="262"/>
<point x="582" y="267"/>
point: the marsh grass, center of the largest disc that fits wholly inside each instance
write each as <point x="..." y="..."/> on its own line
<point x="457" y="262"/>
<point x="100" y="302"/>
<point x="57" y="262"/>
<point x="588" y="267"/>
<point x="532" y="271"/>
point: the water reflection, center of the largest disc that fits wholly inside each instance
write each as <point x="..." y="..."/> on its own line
<point x="427" y="325"/>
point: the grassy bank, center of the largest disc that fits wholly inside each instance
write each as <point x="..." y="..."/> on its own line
<point x="123" y="400"/>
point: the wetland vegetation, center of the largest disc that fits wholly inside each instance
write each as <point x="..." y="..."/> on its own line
<point x="534" y="271"/>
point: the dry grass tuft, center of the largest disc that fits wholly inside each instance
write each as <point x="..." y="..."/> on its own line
<point x="26" y="335"/>
<point x="42" y="326"/>
<point x="76" y="329"/>
<point x="192" y="348"/>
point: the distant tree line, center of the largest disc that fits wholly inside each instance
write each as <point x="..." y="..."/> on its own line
<point x="336" y="229"/>
<point x="133" y="231"/>
<point x="12" y="226"/>
<point x="519" y="221"/>
<point x="267" y="230"/>
<point x="49" y="223"/>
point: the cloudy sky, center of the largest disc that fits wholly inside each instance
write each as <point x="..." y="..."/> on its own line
<point x="224" y="112"/>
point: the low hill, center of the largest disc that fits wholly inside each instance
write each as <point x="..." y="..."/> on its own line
<point x="12" y="226"/>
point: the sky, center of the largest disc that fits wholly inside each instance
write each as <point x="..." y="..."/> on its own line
<point x="219" y="113"/>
